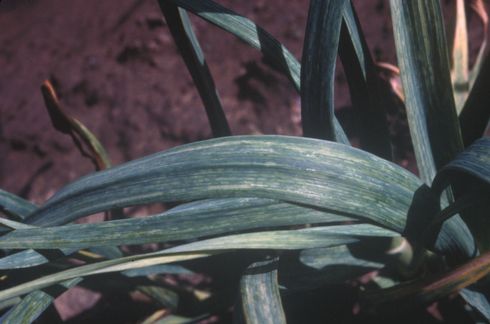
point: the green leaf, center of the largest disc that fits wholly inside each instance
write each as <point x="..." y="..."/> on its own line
<point x="469" y="177"/>
<point x="9" y="303"/>
<point x="259" y="292"/>
<point x="32" y="306"/>
<point x="255" y="36"/>
<point x="477" y="300"/>
<point x="424" y="66"/>
<point x="351" y="32"/>
<point x="474" y="163"/>
<point x="313" y="268"/>
<point x="181" y="28"/>
<point x="190" y="221"/>
<point x="61" y="240"/>
<point x="23" y="259"/>
<point x="157" y="269"/>
<point x="318" y="68"/>
<point x="314" y="173"/>
<point x="270" y="240"/>
<point x="370" y="95"/>
<point x="231" y="214"/>
<point x="310" y="172"/>
<point x="15" y="205"/>
<point x="10" y="224"/>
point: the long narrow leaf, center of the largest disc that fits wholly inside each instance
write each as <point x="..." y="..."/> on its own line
<point x="331" y="265"/>
<point x="45" y="242"/>
<point x="311" y="172"/>
<point x="474" y="162"/>
<point x="200" y="219"/>
<point x="32" y="306"/>
<point x="370" y="95"/>
<point x="318" y="68"/>
<point x="306" y="171"/>
<point x="469" y="176"/>
<point x="271" y="240"/>
<point x="255" y="36"/>
<point x="181" y="28"/>
<point x="424" y="65"/>
<point x="15" y="205"/>
<point x="231" y="214"/>
<point x="260" y="298"/>
<point x="478" y="300"/>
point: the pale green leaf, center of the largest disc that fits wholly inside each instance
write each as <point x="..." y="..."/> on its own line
<point x="15" y="205"/>
<point x="259" y="292"/>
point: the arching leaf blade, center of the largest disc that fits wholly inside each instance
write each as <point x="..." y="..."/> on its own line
<point x="15" y="205"/>
<point x="181" y="28"/>
<point x="424" y="66"/>
<point x="190" y="221"/>
<point x="370" y="95"/>
<point x="310" y="172"/>
<point x="259" y="292"/>
<point x="318" y="68"/>
<point x="270" y="240"/>
<point x="255" y="36"/>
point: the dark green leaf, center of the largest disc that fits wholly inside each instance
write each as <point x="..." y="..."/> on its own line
<point x="332" y="265"/>
<point x="255" y="36"/>
<point x="473" y="162"/>
<point x="469" y="177"/>
<point x="370" y="95"/>
<point x="318" y="68"/>
<point x="181" y="28"/>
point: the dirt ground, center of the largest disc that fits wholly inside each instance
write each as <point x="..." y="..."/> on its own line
<point x="116" y="68"/>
